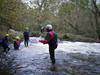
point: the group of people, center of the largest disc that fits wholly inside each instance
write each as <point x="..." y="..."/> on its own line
<point x="16" y="43"/>
<point x="50" y="39"/>
<point x="26" y="39"/>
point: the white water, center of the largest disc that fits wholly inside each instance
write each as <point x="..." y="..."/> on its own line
<point x="66" y="46"/>
<point x="35" y="58"/>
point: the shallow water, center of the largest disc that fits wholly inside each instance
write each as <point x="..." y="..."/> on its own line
<point x="72" y="58"/>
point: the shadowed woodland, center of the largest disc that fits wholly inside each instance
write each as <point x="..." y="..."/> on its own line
<point x="72" y="19"/>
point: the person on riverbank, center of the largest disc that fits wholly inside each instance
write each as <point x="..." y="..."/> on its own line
<point x="51" y="39"/>
<point x="17" y="43"/>
<point x="26" y="37"/>
<point x="5" y="43"/>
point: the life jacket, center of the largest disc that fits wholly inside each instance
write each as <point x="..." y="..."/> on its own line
<point x="52" y="35"/>
<point x="53" y="40"/>
<point x="18" y="42"/>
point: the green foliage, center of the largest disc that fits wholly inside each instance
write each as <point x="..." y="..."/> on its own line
<point x="66" y="37"/>
<point x="1" y="3"/>
<point x="35" y="33"/>
<point x="74" y="37"/>
<point x="13" y="12"/>
<point x="74" y="17"/>
<point x="67" y="8"/>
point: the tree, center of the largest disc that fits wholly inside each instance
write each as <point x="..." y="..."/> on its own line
<point x="96" y="12"/>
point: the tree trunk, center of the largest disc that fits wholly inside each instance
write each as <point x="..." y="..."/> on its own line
<point x="96" y="15"/>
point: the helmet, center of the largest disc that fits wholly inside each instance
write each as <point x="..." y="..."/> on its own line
<point x="18" y="37"/>
<point x="7" y="34"/>
<point x="49" y="26"/>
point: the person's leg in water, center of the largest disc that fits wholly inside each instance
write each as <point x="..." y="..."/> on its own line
<point x="6" y="49"/>
<point x="15" y="45"/>
<point x="27" y="43"/>
<point x="52" y="55"/>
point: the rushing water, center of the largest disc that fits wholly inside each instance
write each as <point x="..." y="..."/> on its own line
<point x="72" y="58"/>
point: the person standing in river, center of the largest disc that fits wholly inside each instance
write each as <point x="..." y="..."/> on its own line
<point x="5" y="43"/>
<point x="17" y="43"/>
<point x="26" y="37"/>
<point x="51" y="39"/>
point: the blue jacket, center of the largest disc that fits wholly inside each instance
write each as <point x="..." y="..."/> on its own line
<point x="26" y="35"/>
<point x="5" y="42"/>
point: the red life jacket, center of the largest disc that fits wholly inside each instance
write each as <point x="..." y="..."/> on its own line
<point x="51" y="35"/>
<point x="53" y="43"/>
<point x="51" y="38"/>
<point x="18" y="42"/>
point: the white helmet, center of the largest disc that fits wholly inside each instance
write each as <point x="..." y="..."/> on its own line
<point x="49" y="26"/>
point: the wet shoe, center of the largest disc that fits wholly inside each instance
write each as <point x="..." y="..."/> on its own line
<point x="53" y="68"/>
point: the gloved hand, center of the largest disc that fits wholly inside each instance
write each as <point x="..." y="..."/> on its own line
<point x="43" y="41"/>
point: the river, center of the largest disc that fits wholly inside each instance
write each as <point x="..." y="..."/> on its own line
<point x="72" y="58"/>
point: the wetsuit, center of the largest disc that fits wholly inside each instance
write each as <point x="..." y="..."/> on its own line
<point x="51" y="40"/>
<point x="16" y="44"/>
<point x="5" y="44"/>
<point x="26" y="38"/>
